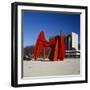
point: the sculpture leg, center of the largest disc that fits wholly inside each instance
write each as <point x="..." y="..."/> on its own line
<point x="39" y="45"/>
<point x="61" y="48"/>
<point x="56" y="52"/>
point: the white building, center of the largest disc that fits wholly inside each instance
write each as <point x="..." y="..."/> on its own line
<point x="74" y="40"/>
<point x="72" y="45"/>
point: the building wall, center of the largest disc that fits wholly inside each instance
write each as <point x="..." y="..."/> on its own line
<point x="74" y="40"/>
<point x="71" y="41"/>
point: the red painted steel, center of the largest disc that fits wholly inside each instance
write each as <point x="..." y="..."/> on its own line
<point x="56" y="44"/>
<point x="61" y="48"/>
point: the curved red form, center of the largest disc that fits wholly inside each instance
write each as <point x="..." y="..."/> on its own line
<point x="61" y="48"/>
<point x="56" y="44"/>
<point x="40" y="44"/>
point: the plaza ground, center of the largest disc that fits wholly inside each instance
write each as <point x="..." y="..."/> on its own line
<point x="51" y="68"/>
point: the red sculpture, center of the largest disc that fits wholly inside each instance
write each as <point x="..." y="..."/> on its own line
<point x="56" y="44"/>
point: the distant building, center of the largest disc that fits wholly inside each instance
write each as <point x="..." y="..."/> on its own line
<point x="72" y="45"/>
<point x="71" y="41"/>
<point x="75" y="40"/>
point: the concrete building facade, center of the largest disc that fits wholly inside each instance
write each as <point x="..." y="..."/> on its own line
<point x="71" y="41"/>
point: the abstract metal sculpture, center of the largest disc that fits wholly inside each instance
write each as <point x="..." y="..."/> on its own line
<point x="57" y="45"/>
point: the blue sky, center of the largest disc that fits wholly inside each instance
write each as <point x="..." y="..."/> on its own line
<point x="52" y="23"/>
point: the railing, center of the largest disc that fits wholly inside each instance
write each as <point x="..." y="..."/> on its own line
<point x="72" y="54"/>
